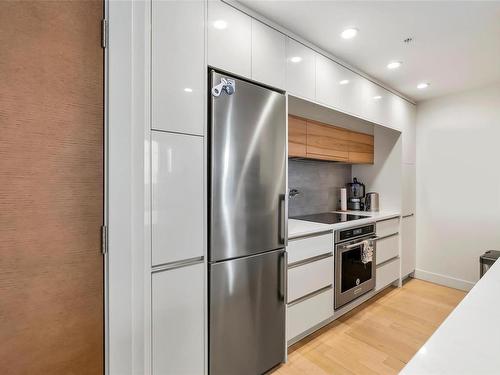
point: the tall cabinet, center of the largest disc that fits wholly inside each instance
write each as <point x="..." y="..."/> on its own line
<point x="177" y="180"/>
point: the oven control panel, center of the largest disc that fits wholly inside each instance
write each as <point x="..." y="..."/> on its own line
<point x="350" y="233"/>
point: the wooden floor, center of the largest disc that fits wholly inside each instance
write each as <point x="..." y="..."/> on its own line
<point x="378" y="337"/>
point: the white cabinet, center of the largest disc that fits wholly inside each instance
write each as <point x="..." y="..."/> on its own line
<point x="177" y="197"/>
<point x="178" y="66"/>
<point x="308" y="313"/>
<point x="229" y="39"/>
<point x="178" y="316"/>
<point x="387" y="273"/>
<point x="409" y="133"/>
<point x="300" y="70"/>
<point x="387" y="248"/>
<point x="268" y="55"/>
<point x="408" y="202"/>
<point x="299" y="249"/>
<point x="387" y="227"/>
<point x="408" y="245"/>
<point x="336" y="85"/>
<point x="309" y="278"/>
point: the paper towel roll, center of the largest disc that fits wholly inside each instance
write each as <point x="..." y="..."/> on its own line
<point x="343" y="199"/>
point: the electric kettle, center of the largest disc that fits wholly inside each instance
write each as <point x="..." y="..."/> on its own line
<point x="371" y="202"/>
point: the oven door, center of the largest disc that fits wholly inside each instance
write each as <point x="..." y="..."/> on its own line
<point x="353" y="278"/>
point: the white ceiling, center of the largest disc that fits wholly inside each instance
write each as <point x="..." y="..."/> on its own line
<point x="456" y="45"/>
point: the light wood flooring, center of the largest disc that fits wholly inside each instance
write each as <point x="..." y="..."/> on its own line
<point x="378" y="337"/>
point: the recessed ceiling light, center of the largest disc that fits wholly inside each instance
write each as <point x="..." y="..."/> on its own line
<point x="377" y="97"/>
<point x="220" y="24"/>
<point x="296" y="59"/>
<point x="394" y="65"/>
<point x="188" y="89"/>
<point x="344" y="82"/>
<point x="349" y="33"/>
<point x="423" y="85"/>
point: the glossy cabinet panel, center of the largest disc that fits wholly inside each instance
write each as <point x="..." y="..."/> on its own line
<point x="408" y="202"/>
<point x="299" y="249"/>
<point x="387" y="273"/>
<point x="177" y="319"/>
<point x="408" y="245"/>
<point x="229" y="39"/>
<point x="307" y="314"/>
<point x="300" y="70"/>
<point x="268" y="55"/>
<point x="309" y="278"/>
<point x="177" y="197"/>
<point x="387" y="248"/>
<point x="178" y="66"/>
<point x="336" y="85"/>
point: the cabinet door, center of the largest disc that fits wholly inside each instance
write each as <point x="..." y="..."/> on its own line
<point x="300" y="70"/>
<point x="177" y="197"/>
<point x="409" y="133"/>
<point x="361" y="149"/>
<point x="178" y="321"/>
<point x="229" y="39"/>
<point x="327" y="142"/>
<point x="409" y="189"/>
<point x="268" y="55"/>
<point x="335" y="85"/>
<point x="178" y="66"/>
<point x="297" y="134"/>
<point x="408" y="245"/>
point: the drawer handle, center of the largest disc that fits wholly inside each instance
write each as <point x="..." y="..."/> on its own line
<point x="309" y="260"/>
<point x="409" y="215"/>
<point x="310" y="295"/>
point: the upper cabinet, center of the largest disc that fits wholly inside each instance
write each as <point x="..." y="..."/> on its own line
<point x="178" y="66"/>
<point x="335" y="85"/>
<point x="229" y="39"/>
<point x="297" y="133"/>
<point x="300" y="70"/>
<point x="315" y="140"/>
<point x="268" y="55"/>
<point x="327" y="142"/>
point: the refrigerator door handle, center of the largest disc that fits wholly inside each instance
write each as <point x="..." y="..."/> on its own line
<point x="283" y="220"/>
<point x="283" y="276"/>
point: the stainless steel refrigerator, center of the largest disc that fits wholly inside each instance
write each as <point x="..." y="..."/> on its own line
<point x="247" y="226"/>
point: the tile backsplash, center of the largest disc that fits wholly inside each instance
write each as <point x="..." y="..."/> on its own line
<point x="319" y="185"/>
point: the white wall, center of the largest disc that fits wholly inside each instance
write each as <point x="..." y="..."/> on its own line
<point x="458" y="185"/>
<point x="384" y="176"/>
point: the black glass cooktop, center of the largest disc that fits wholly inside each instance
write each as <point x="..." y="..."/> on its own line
<point x="330" y="217"/>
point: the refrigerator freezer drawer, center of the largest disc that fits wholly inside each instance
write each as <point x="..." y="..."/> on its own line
<point x="247" y="314"/>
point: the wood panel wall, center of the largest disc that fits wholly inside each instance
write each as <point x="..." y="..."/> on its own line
<point x="51" y="189"/>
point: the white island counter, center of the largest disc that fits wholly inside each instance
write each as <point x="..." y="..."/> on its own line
<point x="468" y="341"/>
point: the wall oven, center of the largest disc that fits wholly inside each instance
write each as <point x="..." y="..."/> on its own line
<point x="355" y="250"/>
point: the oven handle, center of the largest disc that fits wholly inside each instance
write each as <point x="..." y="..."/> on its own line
<point x="347" y="247"/>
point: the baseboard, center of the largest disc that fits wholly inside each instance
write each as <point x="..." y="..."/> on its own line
<point x="443" y="280"/>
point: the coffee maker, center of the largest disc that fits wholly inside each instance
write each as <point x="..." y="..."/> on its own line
<point x="355" y="194"/>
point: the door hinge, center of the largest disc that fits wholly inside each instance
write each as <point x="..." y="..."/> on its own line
<point x="104" y="239"/>
<point x="104" y="33"/>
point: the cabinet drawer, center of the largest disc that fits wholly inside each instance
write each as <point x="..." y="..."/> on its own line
<point x="387" y="227"/>
<point x="309" y="277"/>
<point x="306" y="314"/>
<point x="387" y="273"/>
<point x="308" y="247"/>
<point x="387" y="248"/>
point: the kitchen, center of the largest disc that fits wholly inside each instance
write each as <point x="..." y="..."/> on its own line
<point x="289" y="187"/>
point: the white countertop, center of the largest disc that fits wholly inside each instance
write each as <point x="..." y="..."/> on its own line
<point x="299" y="228"/>
<point x="468" y="341"/>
